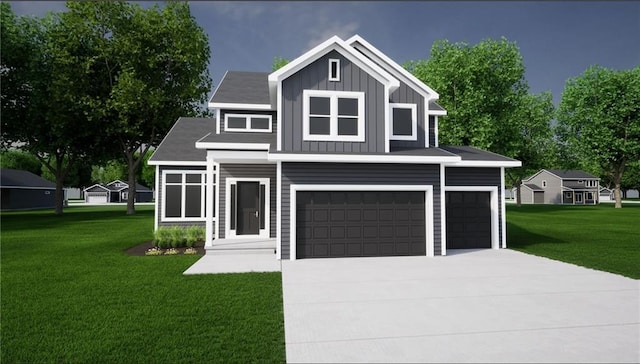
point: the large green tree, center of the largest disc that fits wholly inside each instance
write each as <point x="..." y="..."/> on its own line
<point x="46" y="108"/>
<point x="154" y="63"/>
<point x="599" y="120"/>
<point x="488" y="104"/>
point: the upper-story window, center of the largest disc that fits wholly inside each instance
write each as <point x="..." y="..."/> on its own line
<point x="544" y="183"/>
<point x="404" y="123"/>
<point x="246" y="122"/>
<point x="333" y="115"/>
<point x="334" y="70"/>
<point x="591" y="183"/>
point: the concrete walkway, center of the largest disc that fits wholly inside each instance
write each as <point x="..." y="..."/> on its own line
<point x="470" y="306"/>
<point x="234" y="263"/>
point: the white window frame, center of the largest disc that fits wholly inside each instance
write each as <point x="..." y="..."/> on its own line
<point x="333" y="117"/>
<point x="591" y="183"/>
<point x="335" y="77"/>
<point x="414" y="121"/>
<point x="247" y="123"/>
<point x="163" y="217"/>
<point x="544" y="183"/>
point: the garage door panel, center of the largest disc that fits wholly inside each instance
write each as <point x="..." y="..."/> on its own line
<point x="361" y="223"/>
<point x="468" y="219"/>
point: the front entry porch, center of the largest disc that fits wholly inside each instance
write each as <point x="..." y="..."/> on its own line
<point x="242" y="246"/>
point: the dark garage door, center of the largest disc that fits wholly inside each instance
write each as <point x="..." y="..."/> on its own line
<point x="359" y="224"/>
<point x="468" y="220"/>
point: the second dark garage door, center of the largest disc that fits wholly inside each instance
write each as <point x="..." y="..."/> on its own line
<point x="468" y="219"/>
<point x="359" y="224"/>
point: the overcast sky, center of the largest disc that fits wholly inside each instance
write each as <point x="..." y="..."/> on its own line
<point x="557" y="40"/>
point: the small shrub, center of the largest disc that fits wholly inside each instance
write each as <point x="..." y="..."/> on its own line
<point x="153" y="251"/>
<point x="190" y="251"/>
<point x="177" y="237"/>
<point x="171" y="251"/>
<point x="162" y="238"/>
<point x="193" y="235"/>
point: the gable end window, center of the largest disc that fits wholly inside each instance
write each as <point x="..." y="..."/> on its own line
<point x="333" y="116"/>
<point x="404" y="122"/>
<point x="247" y="123"/>
<point x="544" y="183"/>
<point x="334" y="70"/>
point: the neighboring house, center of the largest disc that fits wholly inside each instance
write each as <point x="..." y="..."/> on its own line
<point x="23" y="190"/>
<point x="115" y="191"/>
<point x="555" y="186"/>
<point x="335" y="154"/>
<point x="606" y="194"/>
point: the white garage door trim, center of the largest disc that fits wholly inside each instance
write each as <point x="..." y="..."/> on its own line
<point x="494" y="212"/>
<point x="428" y="203"/>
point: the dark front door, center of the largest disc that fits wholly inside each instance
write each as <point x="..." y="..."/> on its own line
<point x="331" y="224"/>
<point x="248" y="208"/>
<point x="468" y="219"/>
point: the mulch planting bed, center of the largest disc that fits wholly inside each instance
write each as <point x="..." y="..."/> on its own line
<point x="140" y="249"/>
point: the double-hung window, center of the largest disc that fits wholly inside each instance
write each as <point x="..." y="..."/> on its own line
<point x="333" y="116"/>
<point x="246" y="122"/>
<point x="184" y="195"/>
<point x="404" y="122"/>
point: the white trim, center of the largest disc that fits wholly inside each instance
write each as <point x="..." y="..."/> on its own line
<point x="435" y="130"/>
<point x="333" y="96"/>
<point x="178" y="163"/>
<point x="504" y="210"/>
<point x="247" y="123"/>
<point x="240" y="106"/>
<point x="279" y="117"/>
<point x="335" y="77"/>
<point x="387" y="122"/>
<point x="438" y="112"/>
<point x="218" y="121"/>
<point x="53" y="188"/>
<point x="443" y="213"/>
<point x="414" y="121"/>
<point x="428" y="197"/>
<point x="241" y="156"/>
<point x="156" y="211"/>
<point x="263" y="233"/>
<point x="233" y="146"/>
<point x="279" y="210"/>
<point x="183" y="200"/>
<point x="486" y="164"/>
<point x="426" y="122"/>
<point x="494" y="208"/>
<point x="361" y="158"/>
<point x="209" y="226"/>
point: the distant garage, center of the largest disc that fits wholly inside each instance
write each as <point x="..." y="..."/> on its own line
<point x="468" y="219"/>
<point x="332" y="224"/>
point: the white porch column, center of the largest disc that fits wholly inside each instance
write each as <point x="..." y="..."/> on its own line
<point x="503" y="204"/>
<point x="210" y="197"/>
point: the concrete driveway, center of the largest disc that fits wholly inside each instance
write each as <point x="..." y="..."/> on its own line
<point x="470" y="306"/>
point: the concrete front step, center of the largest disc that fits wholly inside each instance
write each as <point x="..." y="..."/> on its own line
<point x="242" y="246"/>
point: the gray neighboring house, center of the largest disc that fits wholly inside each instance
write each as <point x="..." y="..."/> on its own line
<point x="115" y="191"/>
<point x="23" y="190"/>
<point x="556" y="186"/>
<point x="335" y="154"/>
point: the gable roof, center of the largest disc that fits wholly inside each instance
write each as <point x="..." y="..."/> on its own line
<point x="570" y="173"/>
<point x="178" y="146"/>
<point x="398" y="71"/>
<point x="23" y="179"/>
<point x="242" y="89"/>
<point x="532" y="186"/>
<point x="337" y="44"/>
<point x="475" y="154"/>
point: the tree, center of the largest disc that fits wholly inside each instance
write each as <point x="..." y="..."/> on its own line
<point x="111" y="171"/>
<point x="279" y="62"/>
<point x="154" y="62"/>
<point x="599" y="120"/>
<point x="484" y="91"/>
<point x="16" y="159"/>
<point x="45" y="105"/>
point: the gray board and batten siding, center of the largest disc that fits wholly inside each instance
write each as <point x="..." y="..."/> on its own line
<point x="358" y="174"/>
<point x="247" y="171"/>
<point x="406" y="95"/>
<point x="474" y="176"/>
<point x="160" y="195"/>
<point x="315" y="77"/>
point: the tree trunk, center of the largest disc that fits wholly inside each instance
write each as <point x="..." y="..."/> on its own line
<point x="519" y="194"/>
<point x="59" y="197"/>
<point x="131" y="196"/>
<point x="616" y="192"/>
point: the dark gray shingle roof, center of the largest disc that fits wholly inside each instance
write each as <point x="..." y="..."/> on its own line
<point x="571" y="173"/>
<point x="179" y="144"/>
<point x="434" y="106"/>
<point x="243" y="88"/>
<point x="475" y="154"/>
<point x="20" y="178"/>
<point x="533" y="187"/>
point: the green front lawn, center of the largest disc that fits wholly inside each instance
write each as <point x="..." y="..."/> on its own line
<point x="70" y="294"/>
<point x="599" y="237"/>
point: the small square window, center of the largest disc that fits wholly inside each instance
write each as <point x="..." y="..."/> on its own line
<point x="334" y="70"/>
<point x="333" y="115"/>
<point x="237" y="123"/>
<point x="404" y="123"/>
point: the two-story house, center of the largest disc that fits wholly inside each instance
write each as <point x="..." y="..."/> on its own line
<point x="334" y="155"/>
<point x="556" y="186"/>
